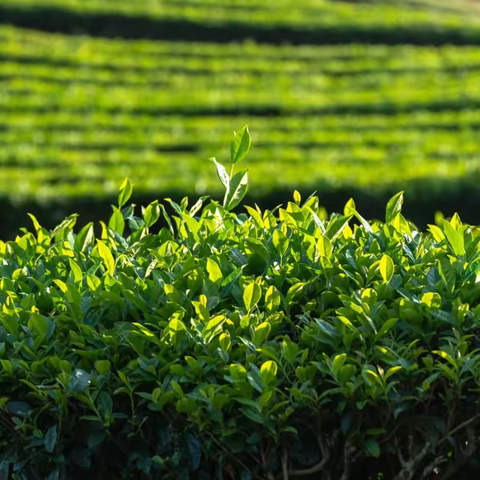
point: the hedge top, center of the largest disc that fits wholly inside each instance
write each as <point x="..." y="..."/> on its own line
<point x="203" y="348"/>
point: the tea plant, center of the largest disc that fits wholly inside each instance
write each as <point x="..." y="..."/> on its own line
<point x="239" y="344"/>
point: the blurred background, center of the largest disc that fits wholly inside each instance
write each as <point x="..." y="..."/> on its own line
<point x="349" y="98"/>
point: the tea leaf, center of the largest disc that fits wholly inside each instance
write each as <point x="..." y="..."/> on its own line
<point x="240" y="145"/>
<point x="387" y="326"/>
<point x="447" y="273"/>
<point x="297" y="197"/>
<point x="280" y="242"/>
<point x="237" y="189"/>
<point x="51" y="439"/>
<point x="79" y="381"/>
<point x="214" y="272"/>
<point x="222" y="174"/>
<point x="38" y="324"/>
<point x="116" y="222"/>
<point x="261" y="333"/>
<point x="103" y="366"/>
<point x="272" y="299"/>
<point x="432" y="300"/>
<point x="455" y="238"/>
<point x="394" y="207"/>
<point x="372" y="448"/>
<point x="106" y="257"/>
<point x="335" y="227"/>
<point x="392" y="371"/>
<point x="125" y="193"/>
<point x="268" y="372"/>
<point x="84" y="238"/>
<point x="152" y="214"/>
<point x="325" y="247"/>
<point x="386" y="268"/>
<point x="251" y="295"/>
<point x="338" y="363"/>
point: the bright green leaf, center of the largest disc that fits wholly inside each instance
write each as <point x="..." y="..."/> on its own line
<point x="251" y="295"/>
<point x="280" y="242"/>
<point x="117" y="222"/>
<point x="455" y="238"/>
<point x="237" y="189"/>
<point x="240" y="145"/>
<point x="125" y="192"/>
<point x="268" y="372"/>
<point x="394" y="207"/>
<point x="387" y="268"/>
<point x="106" y="256"/>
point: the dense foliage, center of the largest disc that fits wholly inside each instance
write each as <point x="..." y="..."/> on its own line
<point x="239" y="345"/>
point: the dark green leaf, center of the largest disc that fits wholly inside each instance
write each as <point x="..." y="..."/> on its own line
<point x="22" y="409"/>
<point x="195" y="451"/>
<point x="79" y="381"/>
<point x="372" y="448"/>
<point x="51" y="439"/>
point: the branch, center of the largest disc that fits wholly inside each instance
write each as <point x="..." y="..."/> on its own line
<point x="230" y="454"/>
<point x="466" y="423"/>
<point x="399" y="454"/>
<point x="315" y="469"/>
<point x="325" y="458"/>
<point x="348" y="459"/>
<point x="409" y="466"/>
<point x="285" y="464"/>
<point x="469" y="451"/>
<point x="427" y="471"/>
<point x="421" y="455"/>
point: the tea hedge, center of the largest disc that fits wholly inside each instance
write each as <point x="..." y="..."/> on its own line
<point x="80" y="114"/>
<point x="235" y="343"/>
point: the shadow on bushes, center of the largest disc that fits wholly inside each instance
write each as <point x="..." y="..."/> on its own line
<point x="128" y="26"/>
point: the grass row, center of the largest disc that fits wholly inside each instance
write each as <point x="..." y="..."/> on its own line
<point x="54" y="170"/>
<point x="82" y="51"/>
<point x="79" y="114"/>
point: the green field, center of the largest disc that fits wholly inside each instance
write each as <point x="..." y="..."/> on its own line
<point x="239" y="321"/>
<point x="78" y="112"/>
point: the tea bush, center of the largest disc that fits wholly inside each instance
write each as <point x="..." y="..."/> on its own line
<point x="226" y="345"/>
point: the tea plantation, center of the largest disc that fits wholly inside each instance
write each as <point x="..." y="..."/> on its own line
<point x="370" y="96"/>
<point x="228" y="331"/>
<point x="259" y="345"/>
